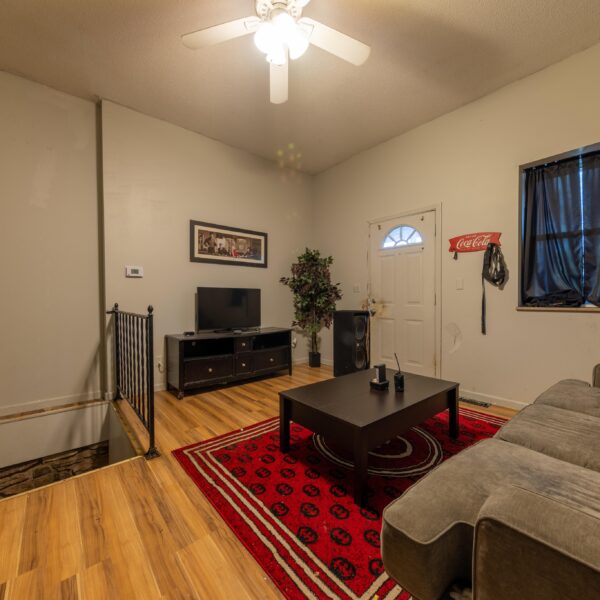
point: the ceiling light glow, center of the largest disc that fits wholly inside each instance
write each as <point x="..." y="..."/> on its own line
<point x="279" y="36"/>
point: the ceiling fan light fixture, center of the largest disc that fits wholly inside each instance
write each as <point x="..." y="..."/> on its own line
<point x="278" y="56"/>
<point x="296" y="41"/>
<point x="290" y="33"/>
<point x="282" y="19"/>
<point x="298" y="48"/>
<point x="280" y="34"/>
<point x="266" y="38"/>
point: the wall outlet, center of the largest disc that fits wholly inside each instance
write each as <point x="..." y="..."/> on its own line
<point x="356" y="288"/>
<point x="294" y="342"/>
<point x="160" y="365"/>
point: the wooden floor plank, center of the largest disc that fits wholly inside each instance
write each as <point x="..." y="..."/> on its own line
<point x="12" y="519"/>
<point x="91" y="513"/>
<point x="133" y="576"/>
<point x="172" y="482"/>
<point x="160" y="530"/>
<point x="29" y="585"/>
<point x="51" y="540"/>
<point x="69" y="589"/>
<point x="143" y="529"/>
<point x="98" y="582"/>
<point x="497" y="411"/>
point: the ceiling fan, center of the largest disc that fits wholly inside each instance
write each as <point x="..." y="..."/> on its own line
<point x="281" y="33"/>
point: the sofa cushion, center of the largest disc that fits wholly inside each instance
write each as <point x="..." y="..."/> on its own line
<point x="427" y="534"/>
<point x="572" y="394"/>
<point x="529" y="545"/>
<point x="564" y="434"/>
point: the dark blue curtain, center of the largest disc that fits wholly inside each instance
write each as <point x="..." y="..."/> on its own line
<point x="553" y="244"/>
<point x="590" y="180"/>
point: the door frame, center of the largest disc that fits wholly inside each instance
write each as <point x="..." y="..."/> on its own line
<point x="437" y="276"/>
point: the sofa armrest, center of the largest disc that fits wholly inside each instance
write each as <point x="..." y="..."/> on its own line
<point x="529" y="545"/>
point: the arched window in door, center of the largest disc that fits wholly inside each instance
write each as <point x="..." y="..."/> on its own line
<point x="403" y="235"/>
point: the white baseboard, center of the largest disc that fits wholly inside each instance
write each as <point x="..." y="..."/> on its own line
<point x="48" y="403"/>
<point x="303" y="360"/>
<point x="497" y="400"/>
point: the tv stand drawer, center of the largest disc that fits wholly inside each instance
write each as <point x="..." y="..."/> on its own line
<point x="243" y="344"/>
<point x="207" y="369"/>
<point x="271" y="359"/>
<point x="244" y="364"/>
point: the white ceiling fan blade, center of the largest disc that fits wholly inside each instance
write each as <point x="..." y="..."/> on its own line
<point x="335" y="42"/>
<point x="279" y="83"/>
<point x="220" y="33"/>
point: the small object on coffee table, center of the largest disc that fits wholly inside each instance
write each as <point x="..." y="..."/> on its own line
<point x="379" y="382"/>
<point x="377" y="385"/>
<point x="399" y="381"/>
<point x="398" y="377"/>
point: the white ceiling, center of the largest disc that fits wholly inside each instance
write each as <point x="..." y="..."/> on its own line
<point x="428" y="57"/>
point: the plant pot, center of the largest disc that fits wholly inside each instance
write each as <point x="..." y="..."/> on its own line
<point x="314" y="359"/>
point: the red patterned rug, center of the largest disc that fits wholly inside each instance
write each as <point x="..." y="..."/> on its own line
<point x="295" y="512"/>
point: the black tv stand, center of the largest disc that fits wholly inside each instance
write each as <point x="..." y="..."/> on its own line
<point x="234" y="331"/>
<point x="220" y="357"/>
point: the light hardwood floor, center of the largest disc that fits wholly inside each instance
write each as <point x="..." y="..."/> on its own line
<point x="142" y="529"/>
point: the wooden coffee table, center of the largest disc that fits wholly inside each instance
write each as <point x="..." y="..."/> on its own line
<point x="348" y="412"/>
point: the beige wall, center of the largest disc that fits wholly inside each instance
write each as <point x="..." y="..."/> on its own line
<point x="49" y="308"/>
<point x="468" y="161"/>
<point x="156" y="178"/>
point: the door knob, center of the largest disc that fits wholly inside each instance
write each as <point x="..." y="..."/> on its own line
<point x="210" y="369"/>
<point x="271" y="360"/>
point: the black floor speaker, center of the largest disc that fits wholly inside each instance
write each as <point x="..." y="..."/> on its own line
<point x="350" y="341"/>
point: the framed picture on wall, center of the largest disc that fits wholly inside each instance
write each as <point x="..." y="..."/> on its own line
<point x="219" y="244"/>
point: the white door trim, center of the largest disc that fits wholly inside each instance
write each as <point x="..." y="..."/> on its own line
<point x="437" y="209"/>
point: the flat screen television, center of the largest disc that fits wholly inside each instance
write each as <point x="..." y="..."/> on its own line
<point x="227" y="308"/>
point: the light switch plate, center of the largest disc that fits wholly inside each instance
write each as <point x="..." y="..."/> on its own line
<point x="133" y="271"/>
<point x="460" y="283"/>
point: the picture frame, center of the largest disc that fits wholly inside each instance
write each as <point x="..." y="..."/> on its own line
<point x="224" y="245"/>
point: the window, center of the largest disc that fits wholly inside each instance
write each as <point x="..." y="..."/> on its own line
<point x="403" y="235"/>
<point x="560" y="231"/>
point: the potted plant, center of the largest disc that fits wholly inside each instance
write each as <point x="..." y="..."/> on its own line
<point x="314" y="297"/>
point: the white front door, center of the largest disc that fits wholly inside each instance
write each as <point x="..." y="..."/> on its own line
<point x="402" y="286"/>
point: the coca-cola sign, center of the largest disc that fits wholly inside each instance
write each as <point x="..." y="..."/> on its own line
<point x="474" y="242"/>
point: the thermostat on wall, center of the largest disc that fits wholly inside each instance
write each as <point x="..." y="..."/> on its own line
<point x="134" y="271"/>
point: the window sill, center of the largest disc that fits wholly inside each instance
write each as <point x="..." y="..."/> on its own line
<point x="569" y="309"/>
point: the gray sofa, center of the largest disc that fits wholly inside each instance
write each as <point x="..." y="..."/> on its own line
<point x="517" y="515"/>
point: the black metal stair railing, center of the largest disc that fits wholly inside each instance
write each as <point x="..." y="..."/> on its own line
<point x="134" y="366"/>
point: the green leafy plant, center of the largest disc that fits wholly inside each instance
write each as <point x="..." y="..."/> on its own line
<point x="314" y="294"/>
